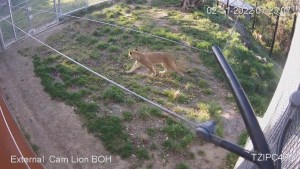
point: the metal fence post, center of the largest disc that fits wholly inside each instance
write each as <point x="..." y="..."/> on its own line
<point x="86" y="4"/>
<point x="2" y="47"/>
<point x="58" y="11"/>
<point x="12" y="19"/>
<point x="28" y="15"/>
<point x="55" y="10"/>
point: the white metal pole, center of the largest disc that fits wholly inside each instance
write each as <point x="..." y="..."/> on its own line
<point x="12" y="19"/>
<point x="2" y="46"/>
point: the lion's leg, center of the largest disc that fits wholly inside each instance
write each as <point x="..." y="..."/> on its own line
<point x="134" y="67"/>
<point x="152" y="69"/>
<point x="165" y="69"/>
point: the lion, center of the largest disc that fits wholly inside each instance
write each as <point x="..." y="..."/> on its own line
<point x="150" y="59"/>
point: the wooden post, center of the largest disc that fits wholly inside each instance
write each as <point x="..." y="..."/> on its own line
<point x="274" y="35"/>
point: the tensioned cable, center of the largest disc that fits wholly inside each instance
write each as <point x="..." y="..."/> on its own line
<point x="124" y="28"/>
<point x="107" y="79"/>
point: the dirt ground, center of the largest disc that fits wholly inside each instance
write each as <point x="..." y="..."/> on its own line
<point x="56" y="128"/>
<point x="52" y="125"/>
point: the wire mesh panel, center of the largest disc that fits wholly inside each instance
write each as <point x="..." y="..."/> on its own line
<point x="33" y="16"/>
<point x="6" y="30"/>
<point x="94" y="2"/>
<point x="68" y="6"/>
<point x="20" y="17"/>
<point x="42" y="12"/>
<point x="291" y="144"/>
<point x="4" y="9"/>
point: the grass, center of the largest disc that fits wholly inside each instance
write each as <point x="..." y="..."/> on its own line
<point x="182" y="166"/>
<point x="203" y="83"/>
<point x="113" y="93"/>
<point x="148" y="111"/>
<point x="108" y="128"/>
<point x="86" y="39"/>
<point x="210" y="110"/>
<point x="153" y="111"/>
<point x="142" y="154"/>
<point x="105" y="49"/>
<point x="243" y="138"/>
<point x="231" y="158"/>
<point x="175" y="95"/>
<point x="151" y="132"/>
<point x="34" y="147"/>
<point x="113" y="48"/>
<point x="111" y="132"/>
<point x="127" y="116"/>
<point x="179" y="137"/>
<point x="102" y="45"/>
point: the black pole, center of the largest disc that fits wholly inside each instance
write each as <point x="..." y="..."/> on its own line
<point x="254" y="17"/>
<point x="251" y="123"/>
<point x="227" y="7"/>
<point x="274" y="35"/>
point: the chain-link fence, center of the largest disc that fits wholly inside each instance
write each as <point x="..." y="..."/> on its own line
<point x="30" y="16"/>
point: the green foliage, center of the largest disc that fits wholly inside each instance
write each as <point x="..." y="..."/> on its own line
<point x="142" y="154"/>
<point x="113" y="48"/>
<point x="151" y="132"/>
<point x="127" y="116"/>
<point x="219" y="131"/>
<point x="112" y="135"/>
<point x="181" y="166"/>
<point x="102" y="45"/>
<point x="164" y="32"/>
<point x="212" y="109"/>
<point x="113" y="93"/>
<point x="203" y="84"/>
<point x="175" y="95"/>
<point x="86" y="39"/>
<point x="230" y="160"/>
<point x="179" y="137"/>
<point x="243" y="138"/>
<point x="147" y="111"/>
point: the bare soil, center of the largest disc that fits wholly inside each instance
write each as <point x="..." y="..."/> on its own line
<point x="52" y="125"/>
